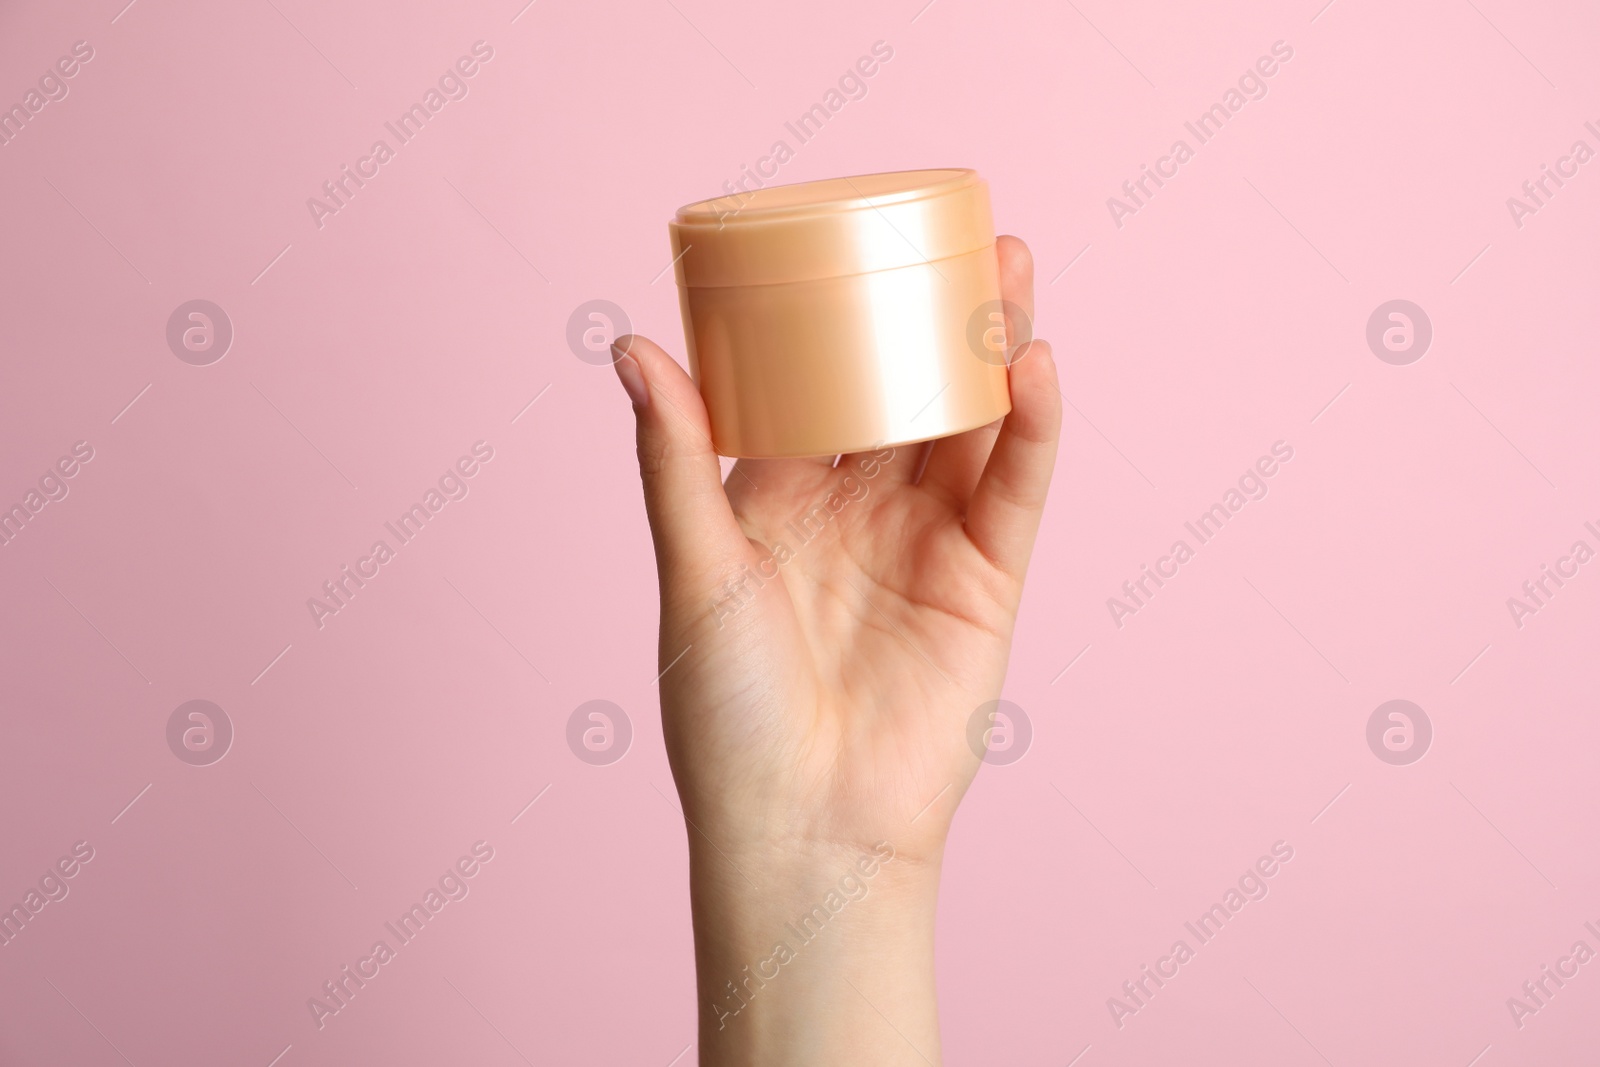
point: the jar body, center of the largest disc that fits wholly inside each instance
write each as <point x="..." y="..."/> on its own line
<point x="846" y="364"/>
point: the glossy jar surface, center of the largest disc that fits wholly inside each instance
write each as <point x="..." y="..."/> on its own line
<point x="841" y="315"/>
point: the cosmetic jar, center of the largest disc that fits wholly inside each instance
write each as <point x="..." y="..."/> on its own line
<point x="844" y="315"/>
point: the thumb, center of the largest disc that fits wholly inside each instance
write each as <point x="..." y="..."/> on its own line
<point x="696" y="535"/>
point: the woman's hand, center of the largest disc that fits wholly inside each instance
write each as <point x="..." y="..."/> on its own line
<point x="827" y="633"/>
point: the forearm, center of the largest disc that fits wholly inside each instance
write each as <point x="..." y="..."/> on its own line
<point x="818" y="958"/>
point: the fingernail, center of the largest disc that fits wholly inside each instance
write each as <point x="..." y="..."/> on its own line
<point x="632" y="378"/>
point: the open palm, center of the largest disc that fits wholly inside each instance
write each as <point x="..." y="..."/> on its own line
<point x="827" y="631"/>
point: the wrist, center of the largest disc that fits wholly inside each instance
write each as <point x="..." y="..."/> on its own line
<point x="802" y="951"/>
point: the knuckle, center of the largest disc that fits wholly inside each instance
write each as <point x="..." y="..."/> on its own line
<point x="660" y="450"/>
<point x="655" y="453"/>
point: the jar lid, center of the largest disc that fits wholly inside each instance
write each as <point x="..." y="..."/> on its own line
<point x="831" y="228"/>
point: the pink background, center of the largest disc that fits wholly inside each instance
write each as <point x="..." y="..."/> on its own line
<point x="1224" y="316"/>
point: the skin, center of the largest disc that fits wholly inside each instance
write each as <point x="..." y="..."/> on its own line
<point x="817" y="723"/>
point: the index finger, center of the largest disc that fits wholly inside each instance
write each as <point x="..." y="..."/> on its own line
<point x="1016" y="286"/>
